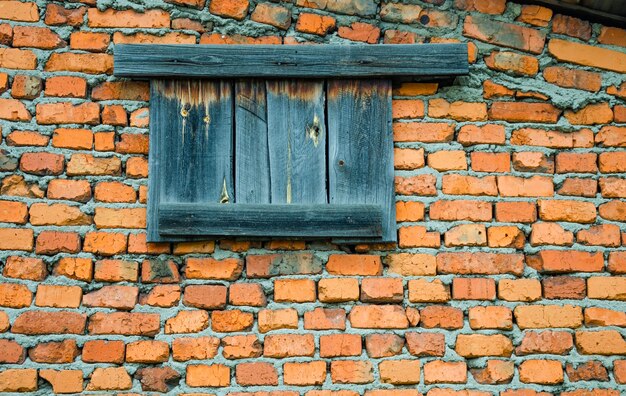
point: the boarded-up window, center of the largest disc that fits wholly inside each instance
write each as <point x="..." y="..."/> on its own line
<point x="254" y="154"/>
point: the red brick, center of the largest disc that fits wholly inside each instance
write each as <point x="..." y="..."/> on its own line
<point x="42" y="163"/>
<point x="473" y="289"/>
<point x="250" y="294"/>
<point x="74" y="190"/>
<point x="573" y="78"/>
<point x="11" y="352"/>
<point x="55" y="322"/>
<point x="54" y="352"/>
<point x="88" y="165"/>
<point x="236" y="9"/>
<point x="124" y="323"/>
<point x="524" y="112"/>
<point x="250" y="374"/>
<point x="435" y="316"/>
<point x="205" y="296"/>
<point x="53" y="242"/>
<point x="564" y="24"/>
<point x="67" y="113"/>
<point x="58" y="15"/>
<point x="480" y="263"/>
<point x="552" y="139"/>
<point x="116" y="297"/>
<point x="37" y="37"/>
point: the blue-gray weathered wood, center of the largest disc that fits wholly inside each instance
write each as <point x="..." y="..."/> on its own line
<point x="300" y="61"/>
<point x="297" y="141"/>
<point x="252" y="171"/>
<point x="360" y="147"/>
<point x="274" y="220"/>
<point x="191" y="144"/>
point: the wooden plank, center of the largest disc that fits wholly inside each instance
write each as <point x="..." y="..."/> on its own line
<point x="297" y="141"/>
<point x="301" y="61"/>
<point x="191" y="144"/>
<point x="252" y="173"/>
<point x="360" y="147"/>
<point x="276" y="220"/>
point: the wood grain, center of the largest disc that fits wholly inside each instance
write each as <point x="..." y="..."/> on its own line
<point x="283" y="61"/>
<point x="275" y="220"/>
<point x="360" y="147"/>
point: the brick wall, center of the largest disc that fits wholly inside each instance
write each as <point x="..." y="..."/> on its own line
<point x="508" y="278"/>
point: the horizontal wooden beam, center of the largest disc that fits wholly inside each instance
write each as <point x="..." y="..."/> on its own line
<point x="270" y="220"/>
<point x="298" y="61"/>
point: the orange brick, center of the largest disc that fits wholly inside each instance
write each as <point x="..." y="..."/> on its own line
<point x="491" y="317"/>
<point x="519" y="289"/>
<point x="351" y="372"/>
<point x="90" y="41"/>
<point x="294" y="290"/>
<point x="378" y="317"/>
<point x="316" y="24"/>
<point x="407" y="108"/>
<point x="490" y="162"/>
<point x="421" y="290"/>
<point x="77" y="139"/>
<point x="16" y="239"/>
<point x="444" y="317"/>
<point x="546" y="372"/>
<point x="460" y="111"/>
<point x="187" y="348"/>
<point x="200" y="375"/>
<point x="303" y="374"/>
<point x="147" y="352"/>
<point x="288" y="345"/>
<point x="400" y="372"/>
<point x="13" y="295"/>
<point x="587" y="55"/>
<point x="25" y="268"/>
<point x="479" y="345"/>
<point x="460" y="210"/>
<point x="447" y="160"/>
<point x="58" y="296"/>
<point x="408" y="158"/>
<point x="437" y="372"/>
<point x="354" y="265"/>
<point x="335" y="290"/>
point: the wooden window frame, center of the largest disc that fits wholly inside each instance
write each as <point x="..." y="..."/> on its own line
<point x="348" y="220"/>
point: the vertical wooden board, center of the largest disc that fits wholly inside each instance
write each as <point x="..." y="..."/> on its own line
<point x="360" y="147"/>
<point x="297" y="141"/>
<point x="191" y="144"/>
<point x="252" y="173"/>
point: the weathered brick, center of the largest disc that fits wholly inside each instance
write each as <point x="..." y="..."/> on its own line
<point x="504" y="34"/>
